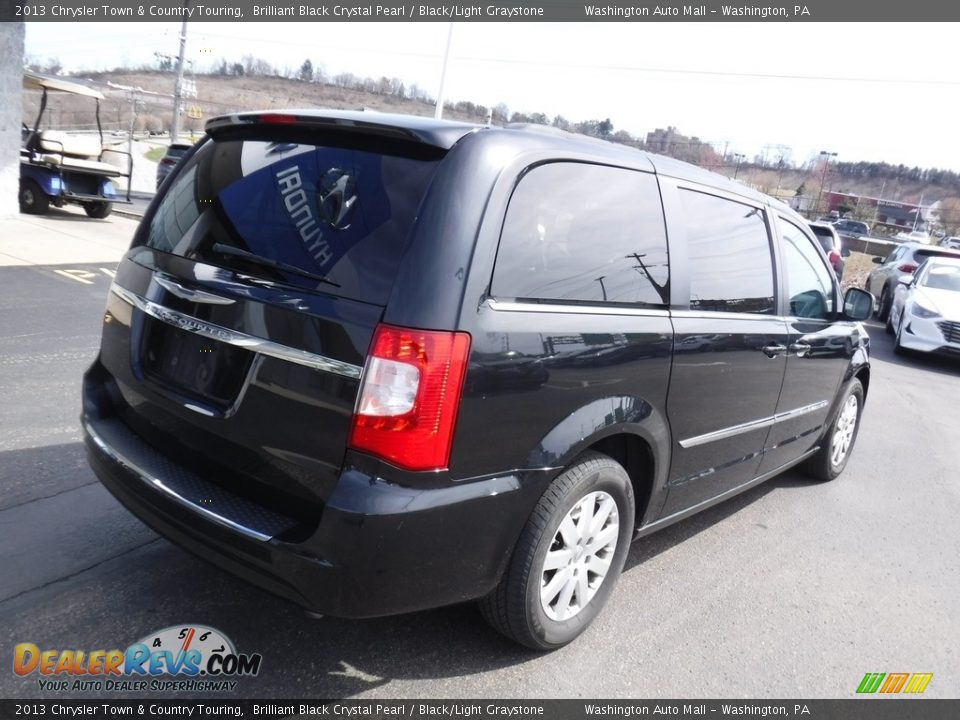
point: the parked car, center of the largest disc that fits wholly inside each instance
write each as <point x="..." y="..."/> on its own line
<point x="170" y="158"/>
<point x="829" y="240"/>
<point x="903" y="260"/>
<point x="852" y="228"/>
<point x="299" y="373"/>
<point x="952" y="243"/>
<point x="925" y="314"/>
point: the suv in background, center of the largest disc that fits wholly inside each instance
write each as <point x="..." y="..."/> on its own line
<point x="170" y="159"/>
<point x="852" y="228"/>
<point x="951" y="243"/>
<point x="379" y="363"/>
<point x="903" y="260"/>
<point x="830" y="242"/>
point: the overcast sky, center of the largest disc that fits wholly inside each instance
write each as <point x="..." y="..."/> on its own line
<point x="868" y="91"/>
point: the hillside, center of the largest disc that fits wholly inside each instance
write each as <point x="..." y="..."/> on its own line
<point x="150" y="110"/>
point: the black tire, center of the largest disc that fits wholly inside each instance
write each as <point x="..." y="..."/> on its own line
<point x="883" y="309"/>
<point x="822" y="466"/>
<point x="98" y="209"/>
<point x="898" y="348"/>
<point x="32" y="198"/>
<point x="514" y="608"/>
<point x="888" y="326"/>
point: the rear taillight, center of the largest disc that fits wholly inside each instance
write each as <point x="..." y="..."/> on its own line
<point x="907" y="268"/>
<point x="833" y="257"/>
<point x="168" y="161"/>
<point x="407" y="408"/>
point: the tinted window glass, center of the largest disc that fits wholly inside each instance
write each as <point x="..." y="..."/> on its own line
<point x="584" y="233"/>
<point x="335" y="212"/>
<point x="809" y="286"/>
<point x="731" y="269"/>
<point x="824" y="238"/>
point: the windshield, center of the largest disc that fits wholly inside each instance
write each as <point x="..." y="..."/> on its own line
<point x="333" y="212"/>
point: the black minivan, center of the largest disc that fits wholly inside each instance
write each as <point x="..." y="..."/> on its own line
<point x="379" y="363"/>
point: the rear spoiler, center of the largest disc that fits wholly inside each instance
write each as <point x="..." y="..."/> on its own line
<point x="405" y="128"/>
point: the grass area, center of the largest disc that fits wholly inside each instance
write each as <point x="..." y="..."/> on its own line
<point x="154" y="154"/>
<point x="856" y="267"/>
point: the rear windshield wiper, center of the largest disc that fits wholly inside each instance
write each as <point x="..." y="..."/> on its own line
<point x="271" y="263"/>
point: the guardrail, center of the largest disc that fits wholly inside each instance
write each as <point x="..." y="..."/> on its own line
<point x="869" y="245"/>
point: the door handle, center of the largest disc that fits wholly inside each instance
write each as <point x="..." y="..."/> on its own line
<point x="800" y="348"/>
<point x="774" y="350"/>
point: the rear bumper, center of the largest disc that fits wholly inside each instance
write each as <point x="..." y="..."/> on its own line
<point x="379" y="548"/>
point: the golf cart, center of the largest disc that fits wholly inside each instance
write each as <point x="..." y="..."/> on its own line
<point x="58" y="167"/>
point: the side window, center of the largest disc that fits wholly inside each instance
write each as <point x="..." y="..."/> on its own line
<point x="894" y="256"/>
<point x="584" y="233"/>
<point x="809" y="284"/>
<point x="731" y="268"/>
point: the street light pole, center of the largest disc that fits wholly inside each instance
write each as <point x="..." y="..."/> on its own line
<point x="739" y="158"/>
<point x="438" y="110"/>
<point x="178" y="86"/>
<point x="823" y="176"/>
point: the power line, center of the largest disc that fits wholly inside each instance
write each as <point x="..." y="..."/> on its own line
<point x="582" y="66"/>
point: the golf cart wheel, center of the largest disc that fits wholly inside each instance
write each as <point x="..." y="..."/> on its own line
<point x="97" y="209"/>
<point x="32" y="199"/>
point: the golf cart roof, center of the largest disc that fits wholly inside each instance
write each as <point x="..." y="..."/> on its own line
<point x="36" y="81"/>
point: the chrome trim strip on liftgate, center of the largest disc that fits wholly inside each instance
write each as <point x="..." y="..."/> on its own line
<point x="235" y="338"/>
<point x="753" y="425"/>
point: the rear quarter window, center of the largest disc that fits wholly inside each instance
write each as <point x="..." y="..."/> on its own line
<point x="581" y="233"/>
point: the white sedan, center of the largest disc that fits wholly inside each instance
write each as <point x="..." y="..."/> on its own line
<point x="925" y="314"/>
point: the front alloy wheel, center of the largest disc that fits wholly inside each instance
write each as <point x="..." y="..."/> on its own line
<point x="837" y="443"/>
<point x="843" y="430"/>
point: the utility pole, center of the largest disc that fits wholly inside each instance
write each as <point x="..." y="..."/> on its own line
<point x="823" y="176"/>
<point x="178" y="86"/>
<point x="438" y="111"/>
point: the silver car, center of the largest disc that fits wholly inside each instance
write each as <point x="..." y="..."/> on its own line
<point x="904" y="260"/>
<point x="925" y="313"/>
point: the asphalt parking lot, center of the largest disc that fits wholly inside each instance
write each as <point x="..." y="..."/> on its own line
<point x="793" y="589"/>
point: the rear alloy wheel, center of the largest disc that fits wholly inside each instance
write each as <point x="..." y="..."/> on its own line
<point x="98" y="209"/>
<point x="568" y="558"/>
<point x="838" y="441"/>
<point x="32" y="199"/>
<point x="883" y="311"/>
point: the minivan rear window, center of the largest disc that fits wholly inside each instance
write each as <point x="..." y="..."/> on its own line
<point x="333" y="212"/>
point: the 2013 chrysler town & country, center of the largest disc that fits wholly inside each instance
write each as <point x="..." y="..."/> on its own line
<point x="377" y="363"/>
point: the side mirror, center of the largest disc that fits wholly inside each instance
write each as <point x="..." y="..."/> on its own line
<point x="857" y="304"/>
<point x="905" y="280"/>
<point x="844" y="252"/>
<point x="878" y="261"/>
